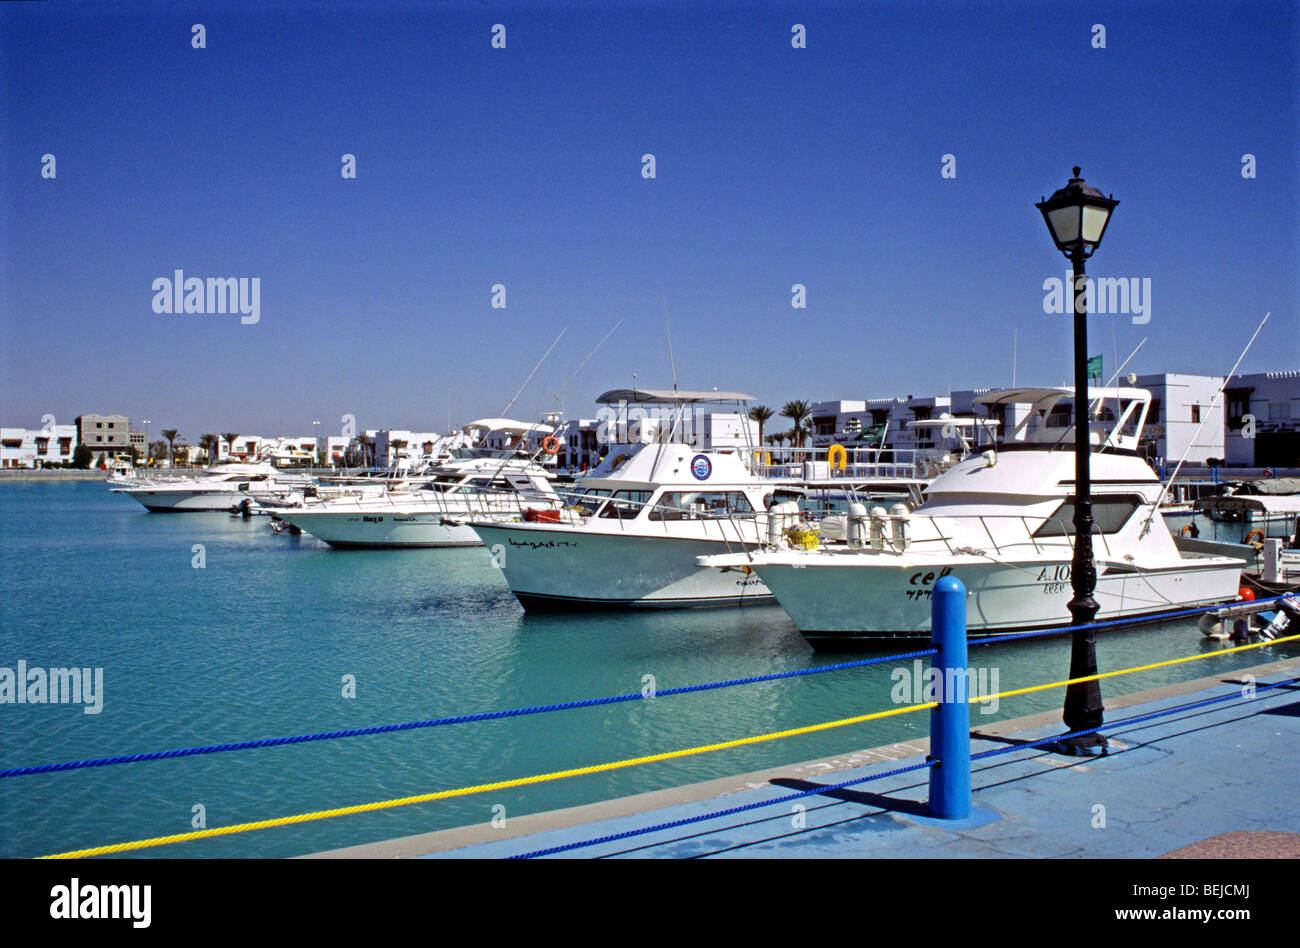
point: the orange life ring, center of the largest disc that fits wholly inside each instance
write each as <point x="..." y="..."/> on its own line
<point x="551" y="444"/>
<point x="1186" y="531"/>
<point x="1257" y="532"/>
<point x="837" y="456"/>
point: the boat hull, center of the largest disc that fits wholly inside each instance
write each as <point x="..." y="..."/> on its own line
<point x="846" y="607"/>
<point x="184" y="501"/>
<point x="566" y="570"/>
<point x="381" y="530"/>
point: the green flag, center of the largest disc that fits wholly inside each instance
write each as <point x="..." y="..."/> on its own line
<point x="1094" y="367"/>
<point x="874" y="433"/>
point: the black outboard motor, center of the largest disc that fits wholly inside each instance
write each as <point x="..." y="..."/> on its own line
<point x="1288" y="615"/>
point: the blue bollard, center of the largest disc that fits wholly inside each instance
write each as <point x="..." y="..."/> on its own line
<point x="950" y="721"/>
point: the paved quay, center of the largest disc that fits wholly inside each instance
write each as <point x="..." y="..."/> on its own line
<point x="1208" y="781"/>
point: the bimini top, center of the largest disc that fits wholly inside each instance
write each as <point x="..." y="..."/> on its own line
<point x="1033" y="396"/>
<point x="1119" y="427"/>
<point x="505" y="424"/>
<point x="656" y="396"/>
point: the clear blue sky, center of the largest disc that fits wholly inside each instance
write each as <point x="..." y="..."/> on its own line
<point x="522" y="166"/>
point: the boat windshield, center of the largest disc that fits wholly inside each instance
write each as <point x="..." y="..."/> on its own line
<point x="700" y="504"/>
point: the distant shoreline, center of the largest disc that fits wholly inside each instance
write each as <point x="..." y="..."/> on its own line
<point x="25" y="474"/>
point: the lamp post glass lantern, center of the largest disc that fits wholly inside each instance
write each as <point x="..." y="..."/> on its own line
<point x="1077" y="216"/>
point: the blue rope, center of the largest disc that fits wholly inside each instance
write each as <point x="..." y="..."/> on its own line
<point x="561" y="706"/>
<point x="822" y="789"/>
<point x="458" y="719"/>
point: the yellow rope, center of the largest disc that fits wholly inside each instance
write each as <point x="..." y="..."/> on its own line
<point x="602" y="768"/>
<point x="480" y="788"/>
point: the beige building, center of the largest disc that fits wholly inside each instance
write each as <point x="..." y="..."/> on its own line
<point x="107" y="436"/>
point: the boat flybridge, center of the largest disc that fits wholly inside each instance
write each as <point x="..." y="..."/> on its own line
<point x="217" y="488"/>
<point x="435" y="514"/>
<point x="631" y="530"/>
<point x="1003" y="522"/>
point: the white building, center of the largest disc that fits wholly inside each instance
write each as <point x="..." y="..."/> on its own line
<point x="416" y="446"/>
<point x="1183" y="418"/>
<point x="864" y="423"/>
<point x="1267" y="406"/>
<point x="36" y="447"/>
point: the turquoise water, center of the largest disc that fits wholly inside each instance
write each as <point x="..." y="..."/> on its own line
<point x="257" y="642"/>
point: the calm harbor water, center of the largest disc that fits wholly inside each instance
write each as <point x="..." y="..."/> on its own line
<point x="256" y="644"/>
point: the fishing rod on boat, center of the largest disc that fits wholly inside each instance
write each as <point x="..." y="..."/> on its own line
<point x="534" y="372"/>
<point x="558" y="395"/>
<point x="1190" y="441"/>
<point x="672" y="363"/>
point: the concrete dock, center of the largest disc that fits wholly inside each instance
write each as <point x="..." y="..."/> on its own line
<point x="1212" y="781"/>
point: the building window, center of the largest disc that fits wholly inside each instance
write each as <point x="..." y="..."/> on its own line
<point x="1196" y="414"/>
<point x="1238" y="405"/>
<point x="1279" y="411"/>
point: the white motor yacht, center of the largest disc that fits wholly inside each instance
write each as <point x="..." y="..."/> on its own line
<point x="1002" y="522"/>
<point x="434" y="514"/>
<point x="217" y="488"/>
<point x="630" y="533"/>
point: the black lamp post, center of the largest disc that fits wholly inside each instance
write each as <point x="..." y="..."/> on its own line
<point x="1077" y="216"/>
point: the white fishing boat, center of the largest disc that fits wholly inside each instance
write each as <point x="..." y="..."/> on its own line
<point x="630" y="533"/>
<point x="436" y="513"/>
<point x="217" y="488"/>
<point x="1002" y="522"/>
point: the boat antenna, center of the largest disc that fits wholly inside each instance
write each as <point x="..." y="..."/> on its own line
<point x="1015" y="338"/>
<point x="671" y="362"/>
<point x="1190" y="441"/>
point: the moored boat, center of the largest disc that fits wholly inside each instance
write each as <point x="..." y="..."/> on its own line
<point x="1002" y="522"/>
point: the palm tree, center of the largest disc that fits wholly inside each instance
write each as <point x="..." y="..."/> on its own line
<point x="367" y="444"/>
<point x="761" y="414"/>
<point x="170" y="434"/>
<point x="797" y="412"/>
<point x="229" y="437"/>
<point x="211" y="444"/>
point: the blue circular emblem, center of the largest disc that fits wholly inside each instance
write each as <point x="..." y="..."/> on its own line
<point x="701" y="467"/>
